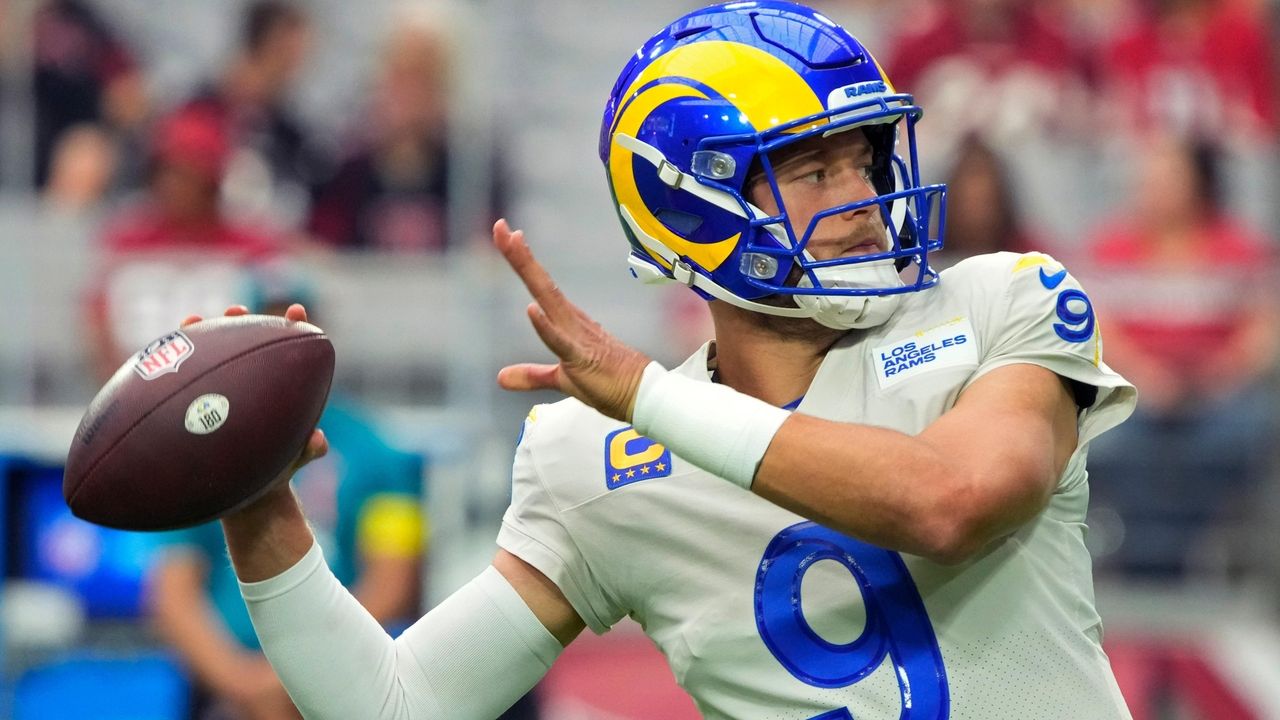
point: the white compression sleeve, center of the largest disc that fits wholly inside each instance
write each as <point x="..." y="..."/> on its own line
<point x="472" y="656"/>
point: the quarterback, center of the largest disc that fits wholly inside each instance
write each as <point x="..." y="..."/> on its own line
<point x="865" y="498"/>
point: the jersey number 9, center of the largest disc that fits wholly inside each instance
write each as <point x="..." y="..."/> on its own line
<point x="897" y="625"/>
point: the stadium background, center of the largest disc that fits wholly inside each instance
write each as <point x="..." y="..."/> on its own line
<point x="1188" y="572"/>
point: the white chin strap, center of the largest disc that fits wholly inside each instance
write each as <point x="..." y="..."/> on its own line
<point x="846" y="312"/>
<point x="840" y="312"/>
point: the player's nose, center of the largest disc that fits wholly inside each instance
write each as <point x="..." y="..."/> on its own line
<point x="859" y="189"/>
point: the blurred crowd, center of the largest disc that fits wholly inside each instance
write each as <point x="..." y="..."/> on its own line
<point x="228" y="176"/>
<point x="230" y="166"/>
<point x="1135" y="140"/>
<point x="1171" y="103"/>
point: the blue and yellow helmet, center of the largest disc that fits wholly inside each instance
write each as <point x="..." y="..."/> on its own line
<point x="701" y="106"/>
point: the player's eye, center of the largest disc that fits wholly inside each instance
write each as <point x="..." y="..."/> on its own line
<point x="815" y="176"/>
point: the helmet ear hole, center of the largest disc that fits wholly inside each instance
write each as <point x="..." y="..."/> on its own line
<point x="682" y="223"/>
<point x="906" y="239"/>
<point x="881" y="138"/>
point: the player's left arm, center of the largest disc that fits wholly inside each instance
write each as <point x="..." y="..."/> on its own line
<point x="982" y="469"/>
<point x="977" y="473"/>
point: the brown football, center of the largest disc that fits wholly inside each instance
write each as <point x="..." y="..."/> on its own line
<point x="198" y="423"/>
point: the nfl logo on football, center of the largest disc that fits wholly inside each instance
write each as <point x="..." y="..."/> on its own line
<point x="163" y="355"/>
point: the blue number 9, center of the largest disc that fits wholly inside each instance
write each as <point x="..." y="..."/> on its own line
<point x="1076" y="325"/>
<point x="897" y="625"/>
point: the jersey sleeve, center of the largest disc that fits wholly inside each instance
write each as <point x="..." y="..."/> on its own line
<point x="1044" y="317"/>
<point x="534" y="529"/>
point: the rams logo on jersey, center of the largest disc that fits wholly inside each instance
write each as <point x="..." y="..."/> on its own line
<point x="630" y="457"/>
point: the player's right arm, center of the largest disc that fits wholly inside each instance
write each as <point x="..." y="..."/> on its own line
<point x="472" y="656"/>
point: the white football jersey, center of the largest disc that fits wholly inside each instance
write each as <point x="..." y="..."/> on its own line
<point x="763" y="614"/>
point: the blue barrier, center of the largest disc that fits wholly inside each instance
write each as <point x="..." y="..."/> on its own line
<point x="139" y="687"/>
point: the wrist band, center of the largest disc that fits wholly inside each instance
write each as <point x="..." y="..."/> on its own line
<point x="712" y="426"/>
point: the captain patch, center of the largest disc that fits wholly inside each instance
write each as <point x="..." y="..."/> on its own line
<point x="949" y="345"/>
<point x="630" y="457"/>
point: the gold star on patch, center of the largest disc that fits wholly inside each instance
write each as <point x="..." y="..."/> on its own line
<point x="616" y="477"/>
<point x="631" y="473"/>
<point x="661" y="466"/>
<point x="644" y="469"/>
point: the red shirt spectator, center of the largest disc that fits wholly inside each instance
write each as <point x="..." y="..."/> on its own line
<point x="175" y="252"/>
<point x="147" y="229"/>
<point x="1189" y="311"/>
<point x="1195" y="66"/>
<point x="182" y="211"/>
<point x="1186" y="292"/>
<point x="1001" y="68"/>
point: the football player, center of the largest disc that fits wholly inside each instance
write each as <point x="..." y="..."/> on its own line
<point x="865" y="498"/>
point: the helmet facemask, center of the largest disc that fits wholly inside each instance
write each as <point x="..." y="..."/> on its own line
<point x="823" y="194"/>
<point x="782" y="257"/>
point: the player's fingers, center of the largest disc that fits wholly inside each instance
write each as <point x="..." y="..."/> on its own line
<point x="296" y="313"/>
<point x="191" y="320"/>
<point x="236" y="311"/>
<point x="551" y="335"/>
<point x="535" y="277"/>
<point x="317" y="446"/>
<point x="501" y="229"/>
<point x="529" y="376"/>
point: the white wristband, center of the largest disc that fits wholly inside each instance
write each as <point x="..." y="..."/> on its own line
<point x="712" y="426"/>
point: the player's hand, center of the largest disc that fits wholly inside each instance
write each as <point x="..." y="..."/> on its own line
<point x="317" y="445"/>
<point x="594" y="366"/>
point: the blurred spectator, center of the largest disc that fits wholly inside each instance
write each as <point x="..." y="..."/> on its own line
<point x="392" y="191"/>
<point x="1188" y="296"/>
<point x="1003" y="68"/>
<point x="272" y="163"/>
<point x="190" y="155"/>
<point x="1194" y="66"/>
<point x="84" y="73"/>
<point x="364" y="500"/>
<point x="982" y="210"/>
<point x="82" y="168"/>
<point x="175" y="251"/>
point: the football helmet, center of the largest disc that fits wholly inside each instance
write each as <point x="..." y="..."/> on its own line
<point x="704" y="105"/>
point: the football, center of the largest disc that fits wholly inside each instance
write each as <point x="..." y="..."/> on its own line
<point x="198" y="423"/>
